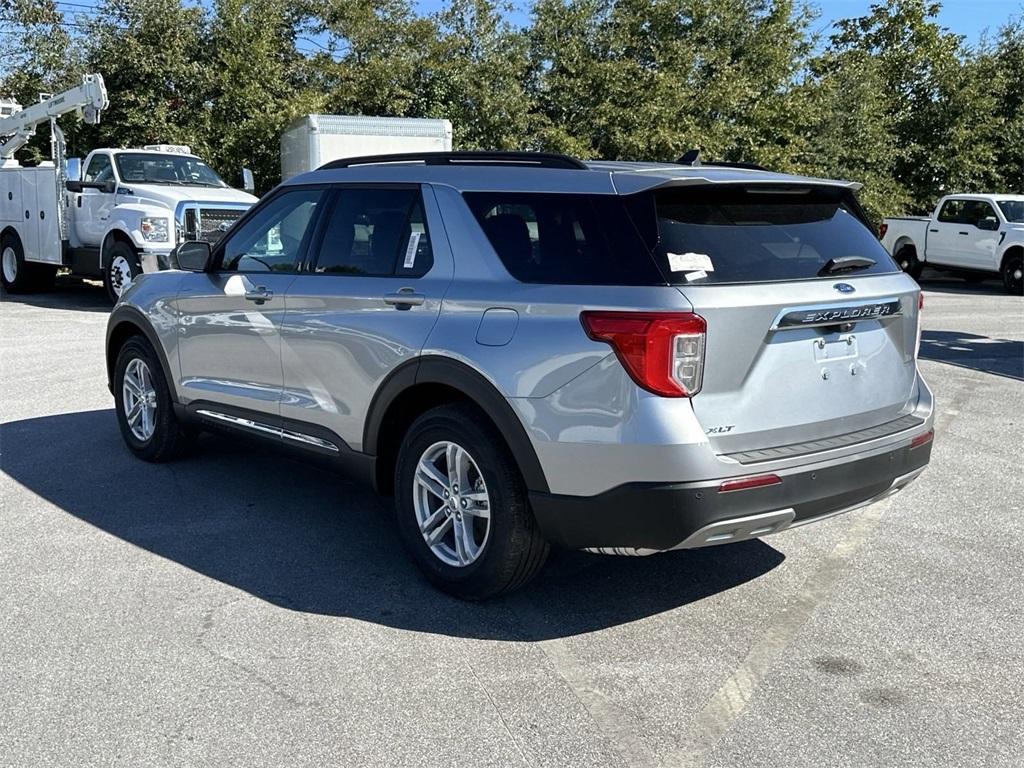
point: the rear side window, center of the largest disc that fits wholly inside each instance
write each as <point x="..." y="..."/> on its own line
<point x="734" y="234"/>
<point x="952" y="212"/>
<point x="564" y="239"/>
<point x="375" y="232"/>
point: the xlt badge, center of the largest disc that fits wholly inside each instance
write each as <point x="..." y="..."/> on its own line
<point x="721" y="430"/>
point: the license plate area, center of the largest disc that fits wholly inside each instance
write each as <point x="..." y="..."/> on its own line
<point x="838" y="347"/>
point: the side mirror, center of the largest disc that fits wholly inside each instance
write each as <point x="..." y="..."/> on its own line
<point x="73" y="169"/>
<point x="247" y="181"/>
<point x="193" y="255"/>
<point x="73" y="185"/>
<point x="990" y="223"/>
<point x="109" y="186"/>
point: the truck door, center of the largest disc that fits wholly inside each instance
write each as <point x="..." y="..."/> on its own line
<point x="93" y="206"/>
<point x="979" y="245"/>
<point x="945" y="241"/>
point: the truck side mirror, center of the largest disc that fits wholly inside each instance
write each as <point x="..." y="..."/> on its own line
<point x="193" y="256"/>
<point x="73" y="169"/>
<point x="247" y="181"/>
<point x="109" y="186"/>
<point x="990" y="223"/>
<point x="73" y="185"/>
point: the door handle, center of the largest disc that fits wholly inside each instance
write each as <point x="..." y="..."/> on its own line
<point x="259" y="295"/>
<point x="963" y="233"/>
<point x="933" y="230"/>
<point x="404" y="299"/>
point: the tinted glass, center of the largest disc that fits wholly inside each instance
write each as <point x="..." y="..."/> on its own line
<point x="375" y="232"/>
<point x="976" y="210"/>
<point x="274" y="238"/>
<point x="153" y="168"/>
<point x="951" y="211"/>
<point x="745" y="235"/>
<point x="99" y="169"/>
<point x="1013" y="210"/>
<point x="564" y="239"/>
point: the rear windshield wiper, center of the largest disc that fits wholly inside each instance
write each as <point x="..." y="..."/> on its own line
<point x="845" y="264"/>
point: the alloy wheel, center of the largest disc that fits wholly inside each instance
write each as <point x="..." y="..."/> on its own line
<point x="139" y="399"/>
<point x="451" y="502"/>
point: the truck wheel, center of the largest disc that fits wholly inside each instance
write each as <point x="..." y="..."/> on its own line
<point x="1013" y="274"/>
<point x="142" y="401"/>
<point x="906" y="257"/>
<point x="461" y="505"/>
<point x="16" y="274"/>
<point x="122" y="269"/>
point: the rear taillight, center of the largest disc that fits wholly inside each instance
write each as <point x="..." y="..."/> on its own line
<point x="882" y="229"/>
<point x="920" y="311"/>
<point x="663" y="352"/>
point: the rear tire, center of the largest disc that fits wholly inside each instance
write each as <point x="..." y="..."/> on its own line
<point x="505" y="550"/>
<point x="16" y="274"/>
<point x="1013" y="274"/>
<point x="121" y="270"/>
<point x="145" y="412"/>
<point x="906" y="257"/>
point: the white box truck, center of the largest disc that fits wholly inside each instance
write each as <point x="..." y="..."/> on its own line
<point x="313" y="140"/>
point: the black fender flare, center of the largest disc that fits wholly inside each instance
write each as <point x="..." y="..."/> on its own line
<point x="127" y="315"/>
<point x="435" y="369"/>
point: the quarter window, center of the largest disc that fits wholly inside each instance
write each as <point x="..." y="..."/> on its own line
<point x="375" y="233"/>
<point x="274" y="238"/>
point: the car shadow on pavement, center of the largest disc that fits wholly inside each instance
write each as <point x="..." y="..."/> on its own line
<point x="1001" y="357"/>
<point x="948" y="282"/>
<point x="307" y="539"/>
<point x="67" y="293"/>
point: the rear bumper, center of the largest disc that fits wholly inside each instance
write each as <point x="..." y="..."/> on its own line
<point x="638" y="518"/>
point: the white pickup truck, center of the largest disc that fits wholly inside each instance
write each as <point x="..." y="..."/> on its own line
<point x="972" y="234"/>
<point x="130" y="208"/>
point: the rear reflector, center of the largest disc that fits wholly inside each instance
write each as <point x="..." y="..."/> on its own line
<point x="882" y="229"/>
<point x="924" y="439"/>
<point x="746" y="483"/>
<point x="663" y="352"/>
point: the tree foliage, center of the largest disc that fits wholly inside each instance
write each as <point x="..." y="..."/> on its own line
<point x="890" y="99"/>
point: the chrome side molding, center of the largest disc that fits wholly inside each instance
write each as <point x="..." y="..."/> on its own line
<point x="268" y="429"/>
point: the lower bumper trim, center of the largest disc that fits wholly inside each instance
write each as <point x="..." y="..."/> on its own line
<point x="639" y="519"/>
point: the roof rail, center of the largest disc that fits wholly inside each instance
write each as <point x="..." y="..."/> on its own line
<point x="522" y="159"/>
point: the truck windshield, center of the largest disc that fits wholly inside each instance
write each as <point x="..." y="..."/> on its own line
<point x="153" y="168"/>
<point x="1013" y="210"/>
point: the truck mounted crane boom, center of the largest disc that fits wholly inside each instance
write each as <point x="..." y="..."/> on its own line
<point x="88" y="99"/>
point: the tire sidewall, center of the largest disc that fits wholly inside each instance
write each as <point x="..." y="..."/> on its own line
<point x="128" y="253"/>
<point x="21" y="277"/>
<point x="1014" y="262"/>
<point x="909" y="254"/>
<point x="505" y="490"/>
<point x="136" y="348"/>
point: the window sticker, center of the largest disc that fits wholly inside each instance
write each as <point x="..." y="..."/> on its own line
<point x="690" y="262"/>
<point x="410" y="250"/>
<point x="691" y="276"/>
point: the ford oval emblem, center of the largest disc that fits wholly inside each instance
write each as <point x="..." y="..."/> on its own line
<point x="844" y="287"/>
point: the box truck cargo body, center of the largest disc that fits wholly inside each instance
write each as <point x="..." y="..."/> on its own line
<point x="313" y="140"/>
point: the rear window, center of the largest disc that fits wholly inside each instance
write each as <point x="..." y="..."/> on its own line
<point x="733" y="234"/>
<point x="565" y="239"/>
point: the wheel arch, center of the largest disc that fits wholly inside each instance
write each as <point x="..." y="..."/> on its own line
<point x="9" y="230"/>
<point x="903" y="241"/>
<point x="115" y="235"/>
<point x="426" y="383"/>
<point x="126" y="322"/>
<point x="1017" y="249"/>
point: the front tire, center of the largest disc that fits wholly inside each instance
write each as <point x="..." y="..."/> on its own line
<point x="142" y="400"/>
<point x="122" y="269"/>
<point x="1013" y="274"/>
<point x="462" y="508"/>
<point x="906" y="257"/>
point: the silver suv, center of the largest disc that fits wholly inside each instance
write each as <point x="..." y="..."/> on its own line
<point x="527" y="350"/>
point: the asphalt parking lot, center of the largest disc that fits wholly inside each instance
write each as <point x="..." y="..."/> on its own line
<point x="241" y="609"/>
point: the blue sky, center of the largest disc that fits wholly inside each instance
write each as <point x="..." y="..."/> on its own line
<point x="964" y="17"/>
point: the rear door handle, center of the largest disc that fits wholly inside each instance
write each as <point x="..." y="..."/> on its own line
<point x="963" y="233"/>
<point x="259" y="295"/>
<point x="404" y="298"/>
<point x="933" y="230"/>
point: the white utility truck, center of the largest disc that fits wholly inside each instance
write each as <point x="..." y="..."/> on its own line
<point x="976" y="235"/>
<point x="122" y="215"/>
<point x="313" y="140"/>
